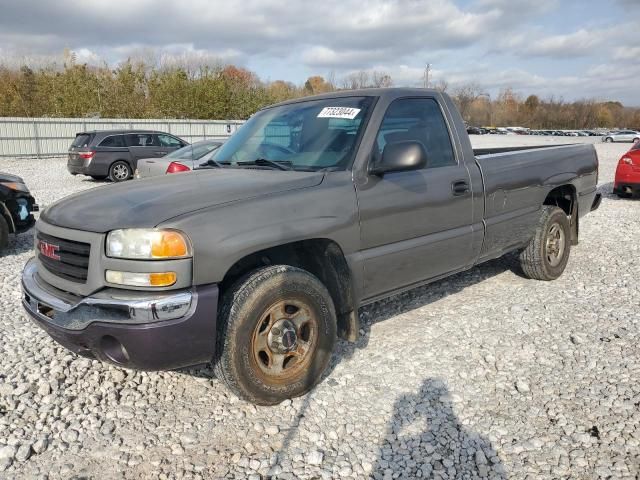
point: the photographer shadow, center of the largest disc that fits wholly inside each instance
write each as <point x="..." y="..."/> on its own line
<point x="425" y="439"/>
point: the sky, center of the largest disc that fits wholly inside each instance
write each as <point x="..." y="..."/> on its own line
<point x="570" y="49"/>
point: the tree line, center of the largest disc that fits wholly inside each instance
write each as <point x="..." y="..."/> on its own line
<point x="510" y="108"/>
<point x="139" y="89"/>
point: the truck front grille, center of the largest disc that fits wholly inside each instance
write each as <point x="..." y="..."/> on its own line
<point x="64" y="258"/>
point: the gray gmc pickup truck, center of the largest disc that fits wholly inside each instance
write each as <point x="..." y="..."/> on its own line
<point x="316" y="206"/>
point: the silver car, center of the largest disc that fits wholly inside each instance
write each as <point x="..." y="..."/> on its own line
<point x="622" y="136"/>
<point x="182" y="160"/>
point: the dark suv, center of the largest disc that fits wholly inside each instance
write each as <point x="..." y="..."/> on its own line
<point x="115" y="153"/>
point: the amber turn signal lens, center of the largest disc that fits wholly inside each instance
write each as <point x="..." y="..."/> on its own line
<point x="133" y="279"/>
<point x="162" y="279"/>
<point x="170" y="244"/>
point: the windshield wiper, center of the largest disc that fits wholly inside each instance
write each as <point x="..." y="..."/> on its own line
<point x="270" y="163"/>
<point x="211" y="163"/>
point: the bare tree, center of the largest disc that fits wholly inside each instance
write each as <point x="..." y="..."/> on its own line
<point x="381" y="79"/>
<point x="441" y="85"/>
<point x="464" y="96"/>
<point x="365" y="79"/>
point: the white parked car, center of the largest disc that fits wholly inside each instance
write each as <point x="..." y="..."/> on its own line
<point x="622" y="136"/>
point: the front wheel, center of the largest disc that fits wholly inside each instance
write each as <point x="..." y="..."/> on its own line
<point x="120" y="171"/>
<point x="547" y="254"/>
<point x="276" y="333"/>
<point x="608" y="140"/>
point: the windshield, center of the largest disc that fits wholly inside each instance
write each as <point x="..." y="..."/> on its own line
<point x="309" y="135"/>
<point x="195" y="151"/>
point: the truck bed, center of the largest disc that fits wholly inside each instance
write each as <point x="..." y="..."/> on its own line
<point x="516" y="181"/>
<point x="495" y="150"/>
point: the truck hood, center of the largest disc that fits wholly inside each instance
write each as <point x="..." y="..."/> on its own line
<point x="149" y="202"/>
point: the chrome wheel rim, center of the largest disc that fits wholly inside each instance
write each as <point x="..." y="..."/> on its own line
<point x="121" y="172"/>
<point x="555" y="244"/>
<point x="284" y="340"/>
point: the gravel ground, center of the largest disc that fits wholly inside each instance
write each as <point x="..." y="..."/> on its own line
<point x="482" y="375"/>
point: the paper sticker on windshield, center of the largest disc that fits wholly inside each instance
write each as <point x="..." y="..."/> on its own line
<point x="339" y="112"/>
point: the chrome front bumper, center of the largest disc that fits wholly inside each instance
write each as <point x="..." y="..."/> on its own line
<point x="110" y="305"/>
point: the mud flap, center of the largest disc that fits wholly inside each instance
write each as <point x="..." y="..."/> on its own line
<point x="349" y="326"/>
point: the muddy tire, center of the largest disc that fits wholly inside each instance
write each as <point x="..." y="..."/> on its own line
<point x="276" y="333"/>
<point x="120" y="171"/>
<point x="547" y="254"/>
<point x="4" y="233"/>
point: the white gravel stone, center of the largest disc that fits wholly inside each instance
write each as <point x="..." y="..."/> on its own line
<point x="23" y="453"/>
<point x="315" y="457"/>
<point x="522" y="386"/>
<point x="8" y="452"/>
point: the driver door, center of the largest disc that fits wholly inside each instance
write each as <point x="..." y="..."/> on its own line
<point x="415" y="225"/>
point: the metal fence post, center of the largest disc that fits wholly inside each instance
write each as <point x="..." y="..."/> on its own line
<point x="36" y="137"/>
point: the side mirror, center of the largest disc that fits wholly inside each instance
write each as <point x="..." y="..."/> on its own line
<point x="400" y="157"/>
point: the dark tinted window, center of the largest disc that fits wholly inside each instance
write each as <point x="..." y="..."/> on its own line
<point x="418" y="119"/>
<point x="82" y="140"/>
<point x="142" y="140"/>
<point x="169" y="141"/>
<point x="113" y="141"/>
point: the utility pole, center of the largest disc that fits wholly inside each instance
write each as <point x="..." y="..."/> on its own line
<point x="427" y="70"/>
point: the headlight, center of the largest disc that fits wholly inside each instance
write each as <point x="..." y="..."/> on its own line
<point x="18" y="187"/>
<point x="148" y="244"/>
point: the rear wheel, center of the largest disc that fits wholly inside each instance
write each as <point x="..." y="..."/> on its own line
<point x="608" y="139"/>
<point x="277" y="330"/>
<point x="119" y="171"/>
<point x="547" y="254"/>
<point x="4" y="233"/>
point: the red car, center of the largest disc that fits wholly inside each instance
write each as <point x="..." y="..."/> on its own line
<point x="627" y="180"/>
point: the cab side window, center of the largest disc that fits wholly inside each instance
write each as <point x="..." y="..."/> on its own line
<point x="142" y="140"/>
<point x="113" y="141"/>
<point x="420" y="120"/>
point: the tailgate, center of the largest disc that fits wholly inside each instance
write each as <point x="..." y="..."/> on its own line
<point x="74" y="158"/>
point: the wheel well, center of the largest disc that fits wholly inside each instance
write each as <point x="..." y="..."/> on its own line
<point x="320" y="257"/>
<point x="564" y="197"/>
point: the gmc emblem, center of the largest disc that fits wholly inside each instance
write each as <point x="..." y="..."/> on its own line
<point x="49" y="250"/>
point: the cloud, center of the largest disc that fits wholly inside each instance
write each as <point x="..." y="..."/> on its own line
<point x="498" y="42"/>
<point x="626" y="53"/>
<point x="578" y="43"/>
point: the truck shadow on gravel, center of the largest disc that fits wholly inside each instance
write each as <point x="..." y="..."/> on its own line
<point x="417" y="298"/>
<point x="425" y="439"/>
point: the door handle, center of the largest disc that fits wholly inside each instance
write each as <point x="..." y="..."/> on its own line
<point x="160" y="153"/>
<point x="459" y="187"/>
